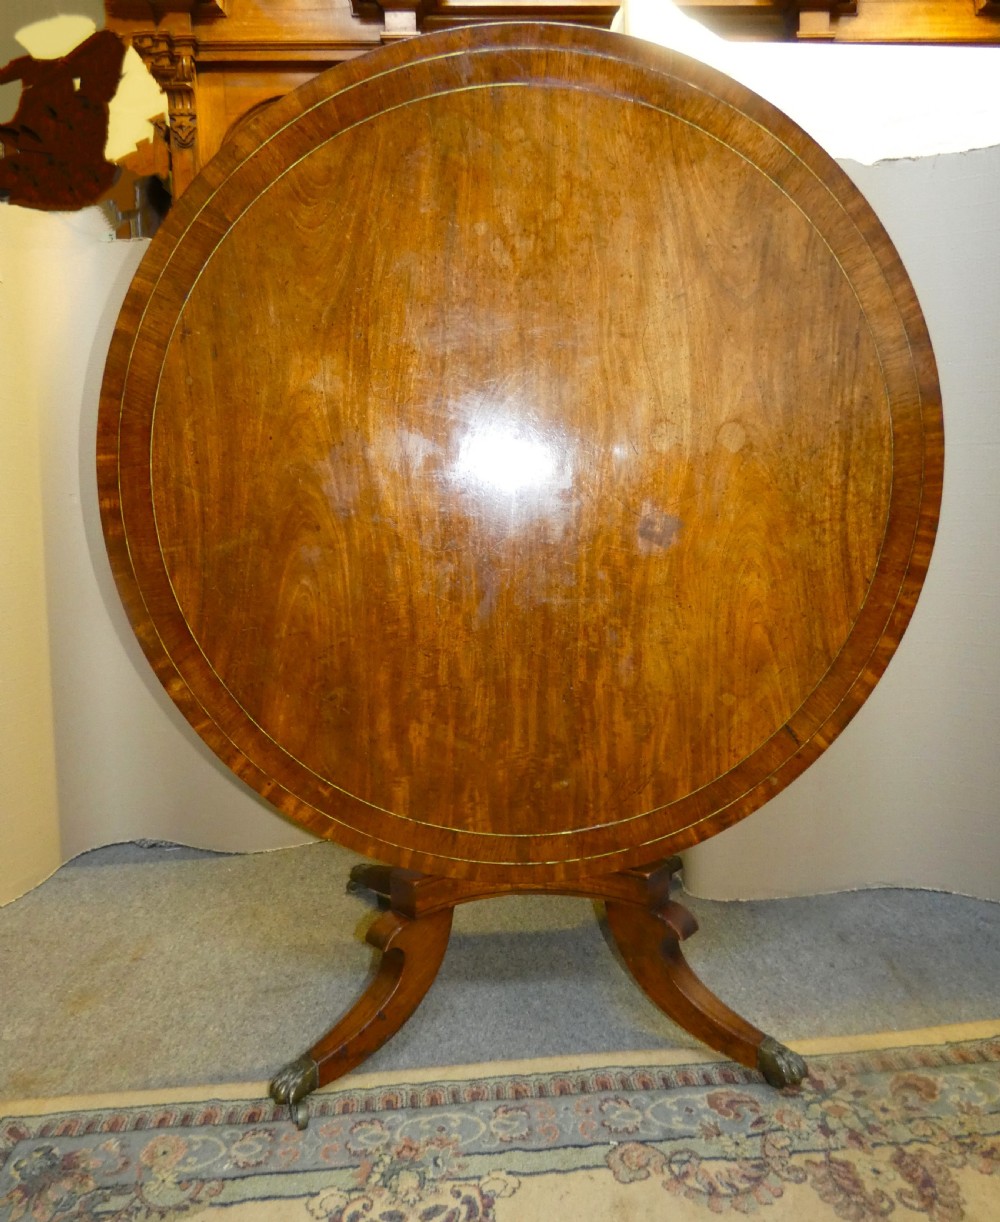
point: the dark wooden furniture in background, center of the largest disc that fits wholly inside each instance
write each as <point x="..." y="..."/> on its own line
<point x="519" y="456"/>
<point x="221" y="60"/>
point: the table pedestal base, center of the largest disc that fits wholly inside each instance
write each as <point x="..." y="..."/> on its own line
<point x="412" y="934"/>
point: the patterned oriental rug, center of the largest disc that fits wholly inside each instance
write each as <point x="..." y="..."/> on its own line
<point x="902" y="1126"/>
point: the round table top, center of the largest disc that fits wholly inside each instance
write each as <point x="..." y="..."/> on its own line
<point x="520" y="453"/>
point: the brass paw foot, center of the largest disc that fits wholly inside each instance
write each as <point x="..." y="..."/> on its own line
<point x="291" y="1085"/>
<point x="779" y="1065"/>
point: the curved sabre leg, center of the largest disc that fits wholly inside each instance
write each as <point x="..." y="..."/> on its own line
<point x="412" y="951"/>
<point x="649" y="942"/>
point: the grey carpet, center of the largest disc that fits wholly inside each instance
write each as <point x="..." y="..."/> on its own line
<point x="146" y="967"/>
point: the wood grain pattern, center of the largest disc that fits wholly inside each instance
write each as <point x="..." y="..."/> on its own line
<point x="520" y="453"/>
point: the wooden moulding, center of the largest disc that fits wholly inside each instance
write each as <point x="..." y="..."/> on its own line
<point x="689" y="345"/>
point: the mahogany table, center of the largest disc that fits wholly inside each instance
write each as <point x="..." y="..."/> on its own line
<point x="519" y="456"/>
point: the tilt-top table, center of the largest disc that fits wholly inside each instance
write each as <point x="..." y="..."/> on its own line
<point x="519" y="455"/>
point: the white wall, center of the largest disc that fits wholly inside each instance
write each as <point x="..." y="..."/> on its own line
<point x="29" y="815"/>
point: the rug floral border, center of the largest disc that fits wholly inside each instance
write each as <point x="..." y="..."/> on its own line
<point x="901" y="1132"/>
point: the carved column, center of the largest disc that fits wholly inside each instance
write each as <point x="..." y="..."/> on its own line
<point x="171" y="61"/>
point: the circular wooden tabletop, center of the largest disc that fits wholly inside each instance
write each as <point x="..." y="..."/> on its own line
<point x="520" y="453"/>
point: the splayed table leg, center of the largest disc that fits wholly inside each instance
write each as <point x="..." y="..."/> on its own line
<point x="412" y="950"/>
<point x="649" y="941"/>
